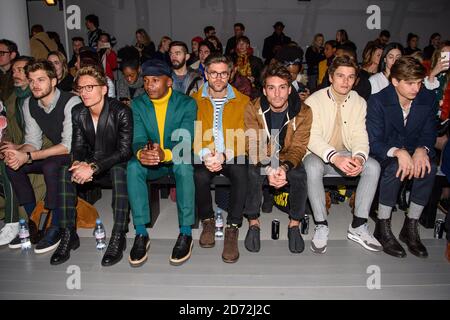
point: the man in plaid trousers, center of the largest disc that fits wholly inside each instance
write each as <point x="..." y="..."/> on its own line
<point x="101" y="147"/>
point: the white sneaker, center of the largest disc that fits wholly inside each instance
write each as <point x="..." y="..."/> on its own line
<point x="320" y="239"/>
<point x="8" y="233"/>
<point x="362" y="236"/>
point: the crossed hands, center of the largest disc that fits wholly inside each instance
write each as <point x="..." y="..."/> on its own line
<point x="12" y="156"/>
<point x="214" y="161"/>
<point x="152" y="155"/>
<point x="351" y="166"/>
<point x="277" y="177"/>
<point x="81" y="172"/>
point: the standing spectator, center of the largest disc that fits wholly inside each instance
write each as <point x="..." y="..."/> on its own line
<point x="163" y="50"/>
<point x="239" y="30"/>
<point x="209" y="31"/>
<point x="411" y="44"/>
<point x="382" y="40"/>
<point x="314" y="54"/>
<point x="274" y="42"/>
<point x="92" y="24"/>
<point x="434" y="43"/>
<point x="40" y="43"/>
<point x="55" y="37"/>
<point x="145" y="45"/>
<point x="59" y="62"/>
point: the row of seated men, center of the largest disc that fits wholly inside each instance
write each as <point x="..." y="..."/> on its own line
<point x="276" y="139"/>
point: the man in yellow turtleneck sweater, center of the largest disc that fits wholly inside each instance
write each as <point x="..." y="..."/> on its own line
<point x="339" y="145"/>
<point x="157" y="115"/>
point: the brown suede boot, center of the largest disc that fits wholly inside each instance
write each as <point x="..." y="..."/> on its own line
<point x="207" y="237"/>
<point x="230" y="245"/>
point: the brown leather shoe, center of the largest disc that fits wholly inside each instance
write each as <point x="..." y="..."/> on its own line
<point x="447" y="253"/>
<point x="230" y="252"/>
<point x="207" y="237"/>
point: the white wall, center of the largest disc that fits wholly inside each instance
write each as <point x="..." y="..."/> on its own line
<point x="183" y="20"/>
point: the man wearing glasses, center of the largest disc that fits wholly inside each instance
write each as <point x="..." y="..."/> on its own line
<point x="8" y="52"/>
<point x="47" y="113"/>
<point x="220" y="144"/>
<point x="101" y="147"/>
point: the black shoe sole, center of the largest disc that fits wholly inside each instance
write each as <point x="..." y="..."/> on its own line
<point x="417" y="254"/>
<point x="75" y="246"/>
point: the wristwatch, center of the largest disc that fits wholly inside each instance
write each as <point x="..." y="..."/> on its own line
<point x="94" y="167"/>
<point x="29" y="160"/>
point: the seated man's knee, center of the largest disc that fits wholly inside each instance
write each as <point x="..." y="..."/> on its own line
<point x="314" y="166"/>
<point x="135" y="168"/>
<point x="183" y="170"/>
<point x="372" y="168"/>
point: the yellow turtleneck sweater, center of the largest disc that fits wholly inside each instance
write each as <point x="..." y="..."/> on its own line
<point x="160" y="106"/>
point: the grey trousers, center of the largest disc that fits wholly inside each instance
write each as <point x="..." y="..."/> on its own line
<point x="367" y="186"/>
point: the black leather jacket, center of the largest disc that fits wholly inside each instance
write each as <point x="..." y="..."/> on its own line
<point x="111" y="144"/>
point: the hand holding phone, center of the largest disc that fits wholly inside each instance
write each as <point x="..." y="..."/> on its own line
<point x="445" y="58"/>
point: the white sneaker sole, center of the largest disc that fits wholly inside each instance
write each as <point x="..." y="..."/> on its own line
<point x="53" y="247"/>
<point x="15" y="246"/>
<point x="318" y="250"/>
<point x="362" y="243"/>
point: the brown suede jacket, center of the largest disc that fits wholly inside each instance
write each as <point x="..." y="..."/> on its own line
<point x="293" y="137"/>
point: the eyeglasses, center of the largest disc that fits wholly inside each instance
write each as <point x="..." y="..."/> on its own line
<point x="222" y="75"/>
<point x="2" y="53"/>
<point x="88" y="88"/>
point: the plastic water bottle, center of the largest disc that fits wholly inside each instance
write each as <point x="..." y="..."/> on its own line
<point x="24" y="235"/>
<point x="100" y="234"/>
<point x="219" y="224"/>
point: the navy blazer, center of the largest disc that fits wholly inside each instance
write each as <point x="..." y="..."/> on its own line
<point x="384" y="122"/>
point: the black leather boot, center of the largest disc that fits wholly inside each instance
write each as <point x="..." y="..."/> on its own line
<point x="410" y="236"/>
<point x="116" y="247"/>
<point x="384" y="235"/>
<point x="69" y="241"/>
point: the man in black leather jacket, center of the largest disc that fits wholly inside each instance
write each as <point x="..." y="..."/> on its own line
<point x="101" y="146"/>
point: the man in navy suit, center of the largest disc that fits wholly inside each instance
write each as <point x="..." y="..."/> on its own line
<point x="402" y="132"/>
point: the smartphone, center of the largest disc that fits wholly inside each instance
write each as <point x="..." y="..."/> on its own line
<point x="149" y="145"/>
<point x="445" y="57"/>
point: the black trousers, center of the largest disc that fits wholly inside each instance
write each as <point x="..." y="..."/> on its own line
<point x="50" y="167"/>
<point x="237" y="173"/>
<point x="390" y="184"/>
<point x="298" y="192"/>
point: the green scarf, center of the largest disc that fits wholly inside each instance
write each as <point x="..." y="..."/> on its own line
<point x="21" y="96"/>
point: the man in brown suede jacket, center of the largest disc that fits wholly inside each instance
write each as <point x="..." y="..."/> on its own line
<point x="278" y="127"/>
